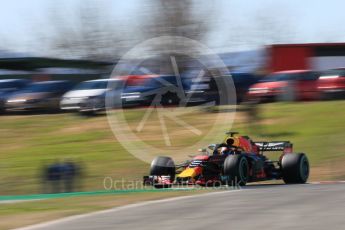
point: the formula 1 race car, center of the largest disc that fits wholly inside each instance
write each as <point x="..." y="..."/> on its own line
<point x="234" y="162"/>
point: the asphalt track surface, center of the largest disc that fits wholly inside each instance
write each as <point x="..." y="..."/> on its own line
<point x="309" y="206"/>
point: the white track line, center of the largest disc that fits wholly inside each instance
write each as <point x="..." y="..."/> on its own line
<point x="328" y="182"/>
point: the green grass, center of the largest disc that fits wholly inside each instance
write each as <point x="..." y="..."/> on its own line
<point x="29" y="142"/>
<point x="317" y="128"/>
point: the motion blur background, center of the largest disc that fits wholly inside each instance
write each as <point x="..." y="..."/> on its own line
<point x="72" y="41"/>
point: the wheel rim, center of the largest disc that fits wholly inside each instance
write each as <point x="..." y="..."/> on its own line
<point x="243" y="170"/>
<point x="304" y="168"/>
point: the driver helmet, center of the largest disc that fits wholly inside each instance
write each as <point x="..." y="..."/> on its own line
<point x="230" y="141"/>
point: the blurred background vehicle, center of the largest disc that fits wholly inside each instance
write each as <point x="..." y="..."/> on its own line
<point x="7" y="87"/>
<point x="202" y="90"/>
<point x="155" y="90"/>
<point x="206" y="89"/>
<point x="89" y="96"/>
<point x="44" y="96"/>
<point x="292" y="85"/>
<point x="331" y="84"/>
<point x="242" y="83"/>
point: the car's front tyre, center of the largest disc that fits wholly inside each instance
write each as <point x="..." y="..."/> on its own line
<point x="236" y="169"/>
<point x="163" y="166"/>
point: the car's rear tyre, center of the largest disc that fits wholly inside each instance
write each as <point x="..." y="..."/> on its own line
<point x="236" y="169"/>
<point x="170" y="99"/>
<point x="163" y="166"/>
<point x="295" y="168"/>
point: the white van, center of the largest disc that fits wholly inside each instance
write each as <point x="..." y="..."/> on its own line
<point x="89" y="96"/>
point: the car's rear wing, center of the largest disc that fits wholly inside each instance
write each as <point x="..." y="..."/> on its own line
<point x="285" y="146"/>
